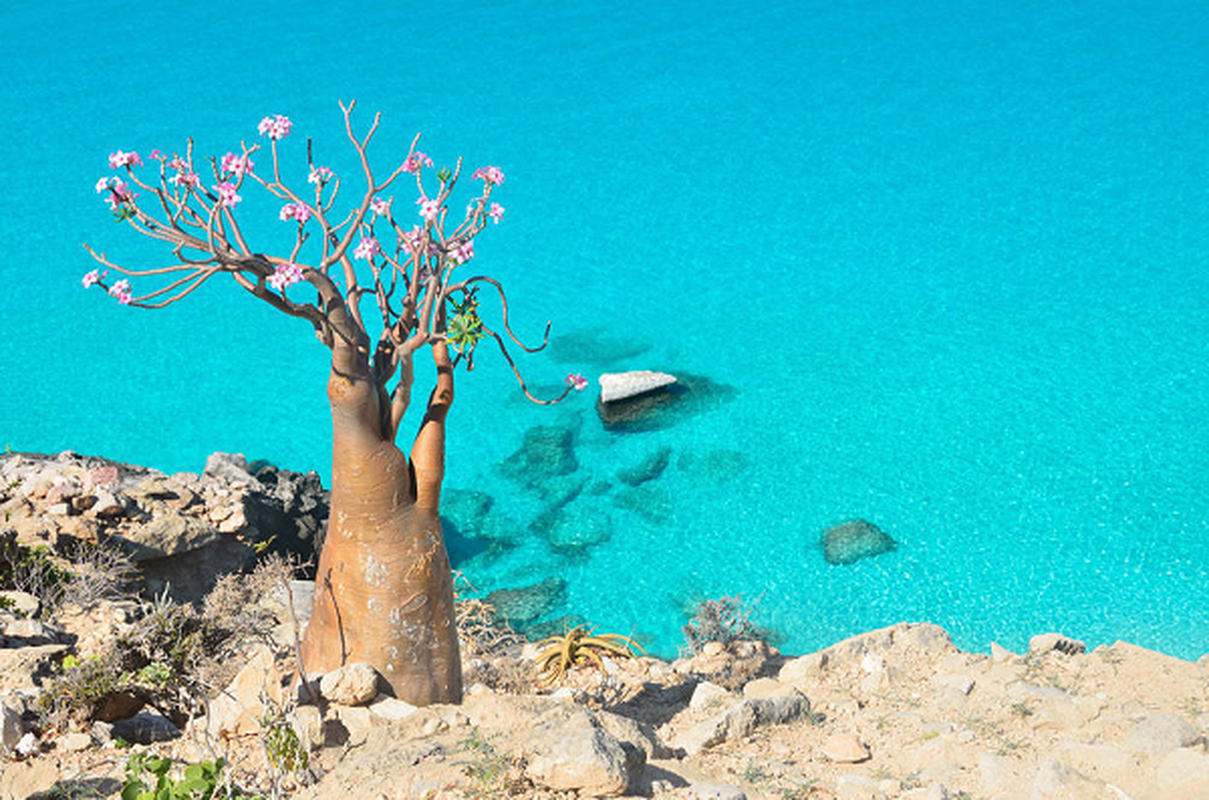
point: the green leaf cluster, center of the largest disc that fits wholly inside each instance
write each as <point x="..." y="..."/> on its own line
<point x="149" y="777"/>
<point x="466" y="328"/>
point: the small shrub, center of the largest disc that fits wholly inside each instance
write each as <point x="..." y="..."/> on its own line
<point x="491" y="771"/>
<point x="32" y="570"/>
<point x="725" y="620"/>
<point x="77" y="695"/>
<point x="282" y="747"/>
<point x="149" y="777"/>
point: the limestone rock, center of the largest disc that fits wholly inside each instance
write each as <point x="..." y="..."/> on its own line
<point x="74" y="742"/>
<point x="308" y="724"/>
<point x="623" y="385"/>
<point x="168" y="536"/>
<point x="11" y="726"/>
<point x="762" y="688"/>
<point x="351" y="685"/>
<point x="237" y="711"/>
<point x="845" y="748"/>
<point x="23" y="604"/>
<point x="229" y="467"/>
<point x="391" y="708"/>
<point x="1184" y="773"/>
<point x="1159" y="734"/>
<point x="706" y="694"/>
<point x="740" y="720"/>
<point x="573" y="752"/>
<point x="1054" y="780"/>
<point x="999" y="654"/>
<point x="854" y="540"/>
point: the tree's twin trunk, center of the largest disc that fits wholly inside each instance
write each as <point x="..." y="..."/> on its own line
<point x="383" y="591"/>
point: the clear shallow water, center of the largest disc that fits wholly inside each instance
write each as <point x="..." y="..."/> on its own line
<point x="949" y="262"/>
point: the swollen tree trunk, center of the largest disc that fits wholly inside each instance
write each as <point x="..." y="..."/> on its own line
<point x="383" y="591"/>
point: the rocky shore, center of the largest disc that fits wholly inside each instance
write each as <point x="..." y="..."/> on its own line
<point x="894" y="713"/>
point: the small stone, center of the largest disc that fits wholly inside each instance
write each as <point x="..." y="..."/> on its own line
<point x="146" y="727"/>
<point x="391" y="708"/>
<point x="308" y="724"/>
<point x="23" y="603"/>
<point x="58" y="509"/>
<point x="351" y="685"/>
<point x="845" y="748"/>
<point x="74" y="742"/>
<point x="707" y="694"/>
<point x="713" y="649"/>
<point x="960" y="683"/>
<point x="1000" y="654"/>
<point x="107" y="506"/>
<point x="12" y="728"/>
<point x="102" y="733"/>
<point x="1045" y="642"/>
<point x="768" y="687"/>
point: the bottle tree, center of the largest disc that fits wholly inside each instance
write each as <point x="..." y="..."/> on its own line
<point x="383" y="590"/>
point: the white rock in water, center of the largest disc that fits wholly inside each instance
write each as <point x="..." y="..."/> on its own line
<point x="620" y="385"/>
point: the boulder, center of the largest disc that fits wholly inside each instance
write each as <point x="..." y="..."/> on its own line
<point x="145" y="727"/>
<point x="572" y="752"/>
<point x="237" y="711"/>
<point x="845" y="748"/>
<point x="228" y="467"/>
<point x="854" y="540"/>
<point x="652" y="503"/>
<point x="1160" y="733"/>
<point x="740" y="720"/>
<point x="624" y="385"/>
<point x="353" y="684"/>
<point x="690" y="396"/>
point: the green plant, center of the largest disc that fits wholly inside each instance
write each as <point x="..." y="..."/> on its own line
<point x="1021" y="709"/>
<point x="149" y="777"/>
<point x="282" y="747"/>
<point x="578" y="646"/>
<point x="488" y="768"/>
<point x="32" y="570"/>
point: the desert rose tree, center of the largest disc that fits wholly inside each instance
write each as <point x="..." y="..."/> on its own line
<point x="383" y="592"/>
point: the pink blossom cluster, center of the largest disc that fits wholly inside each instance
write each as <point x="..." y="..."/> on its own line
<point x="412" y="238"/>
<point x="93" y="277"/>
<point x="367" y="248"/>
<point x="298" y="211"/>
<point x="121" y="159"/>
<point x="379" y="206"/>
<point x="464" y="252"/>
<point x="577" y="382"/>
<point x="226" y="194"/>
<point x="285" y="275"/>
<point x="415" y="161"/>
<point x="121" y="290"/>
<point x="496" y="213"/>
<point x="489" y="174"/>
<point x="319" y="175"/>
<point x="237" y="165"/>
<point x="119" y="191"/>
<point x="275" y="127"/>
<point x="428" y="209"/>
<point x="184" y="176"/>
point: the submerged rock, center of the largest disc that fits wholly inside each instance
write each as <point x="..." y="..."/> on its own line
<point x="717" y="465"/>
<point x="649" y="502"/>
<point x="546" y="452"/>
<point x="648" y="469"/>
<point x="524" y="605"/>
<point x="691" y="395"/>
<point x="852" y="541"/>
<point x="580" y="528"/>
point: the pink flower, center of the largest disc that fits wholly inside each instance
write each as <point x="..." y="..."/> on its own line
<point x="412" y="238"/>
<point x="464" y="253"/>
<point x="379" y="206"/>
<point x="285" y="275"/>
<point x="489" y="174"/>
<point x="93" y="277"/>
<point x="238" y="165"/>
<point x="415" y="161"/>
<point x="275" y="127"/>
<point x="367" y="249"/>
<point x="227" y="195"/>
<point x="428" y="209"/>
<point x="496" y="213"/>
<point x="121" y="290"/>
<point x="186" y="178"/>
<point x="122" y="159"/>
<point x="297" y="211"/>
<point x="103" y="184"/>
<point x="179" y="164"/>
<point x="157" y="155"/>
<point x="119" y="192"/>
<point x="319" y="175"/>
<point x="577" y="382"/>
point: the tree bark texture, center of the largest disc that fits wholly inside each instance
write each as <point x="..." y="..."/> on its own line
<point x="383" y="590"/>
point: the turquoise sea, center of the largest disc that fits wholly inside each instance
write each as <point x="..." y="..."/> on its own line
<point x="942" y="266"/>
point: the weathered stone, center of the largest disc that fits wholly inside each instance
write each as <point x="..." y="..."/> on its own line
<point x="23" y="667"/>
<point x="648" y="469"/>
<point x="1054" y="779"/>
<point x="347" y="726"/>
<point x="353" y="684"/>
<point x="74" y="742"/>
<point x="391" y="708"/>
<point x="1184" y="772"/>
<point x="716" y="791"/>
<point x="845" y="748"/>
<point x="740" y="720"/>
<point x="520" y="606"/>
<point x="960" y="683"/>
<point x="1045" y="642"/>
<point x="707" y="694"/>
<point x="580" y="528"/>
<point x="29" y="632"/>
<point x="229" y="467"/>
<point x="1000" y="654"/>
<point x="308" y="724"/>
<point x="11" y="726"/>
<point x="145" y="727"/>
<point x="108" y="505"/>
<point x="167" y="536"/>
<point x="852" y="541"/>
<point x="572" y="752"/>
<point x="1159" y="734"/>
<point x="623" y="385"/>
<point x="237" y="711"/>
<point x="762" y="688"/>
<point x="857" y="787"/>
